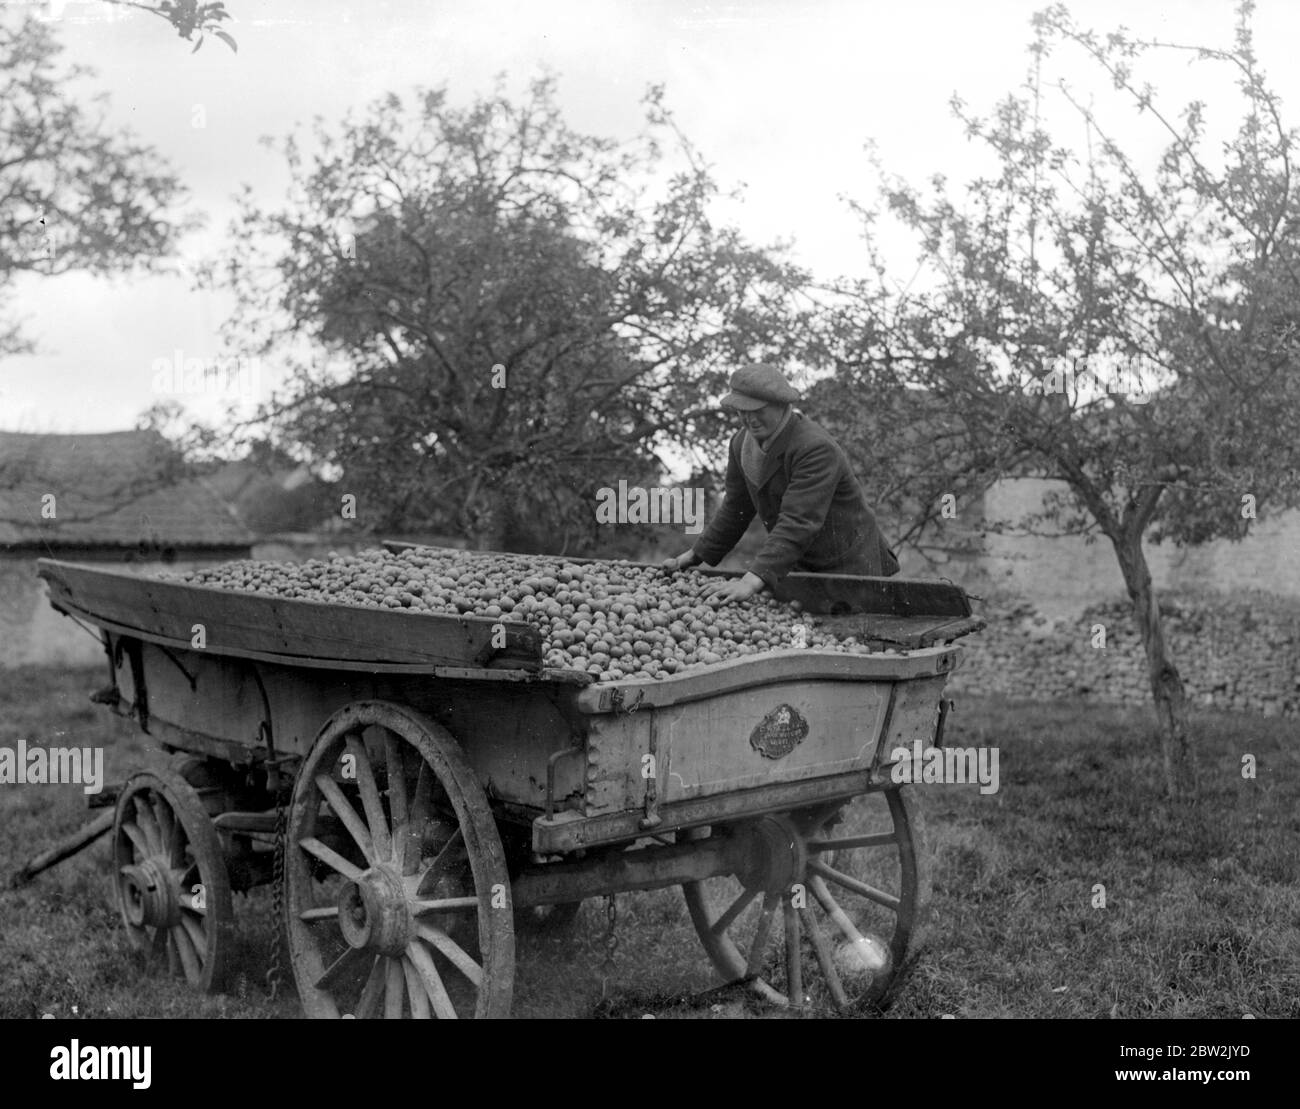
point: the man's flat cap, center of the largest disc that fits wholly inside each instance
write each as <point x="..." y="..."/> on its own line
<point x="757" y="385"/>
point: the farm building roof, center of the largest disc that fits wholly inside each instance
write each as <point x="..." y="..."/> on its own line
<point x="118" y="489"/>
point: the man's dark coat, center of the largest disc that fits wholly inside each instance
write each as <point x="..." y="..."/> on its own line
<point x="809" y="500"/>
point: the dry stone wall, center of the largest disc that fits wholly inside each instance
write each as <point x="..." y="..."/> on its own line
<point x="1235" y="654"/>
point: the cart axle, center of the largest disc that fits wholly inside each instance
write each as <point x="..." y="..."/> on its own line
<point x="643" y="869"/>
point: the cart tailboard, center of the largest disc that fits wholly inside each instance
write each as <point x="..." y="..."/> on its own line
<point x="907" y="632"/>
<point x="847" y="593"/>
<point x="264" y="626"/>
<point x="790" y="719"/>
<point x="790" y="664"/>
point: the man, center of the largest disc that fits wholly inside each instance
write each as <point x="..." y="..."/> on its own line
<point x="790" y="472"/>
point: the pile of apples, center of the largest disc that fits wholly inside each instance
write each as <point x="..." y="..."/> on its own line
<point x="613" y="620"/>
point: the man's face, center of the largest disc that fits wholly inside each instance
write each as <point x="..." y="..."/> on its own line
<point x="761" y="422"/>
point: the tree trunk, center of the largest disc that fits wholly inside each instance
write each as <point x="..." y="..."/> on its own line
<point x="484" y="532"/>
<point x="487" y="540"/>
<point x="480" y="516"/>
<point x="1166" y="684"/>
<point x="485" y="522"/>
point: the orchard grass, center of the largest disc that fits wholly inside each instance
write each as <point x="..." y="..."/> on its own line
<point x="1200" y="919"/>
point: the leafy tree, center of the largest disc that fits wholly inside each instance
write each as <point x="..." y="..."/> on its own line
<point x="188" y="17"/>
<point x="501" y="315"/>
<point x="1127" y="331"/>
<point x="74" y="196"/>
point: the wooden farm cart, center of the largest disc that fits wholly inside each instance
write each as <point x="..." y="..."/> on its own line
<point x="414" y="793"/>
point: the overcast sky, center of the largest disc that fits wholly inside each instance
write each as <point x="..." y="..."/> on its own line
<point x="781" y="96"/>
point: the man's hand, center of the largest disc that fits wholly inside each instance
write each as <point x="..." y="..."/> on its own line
<point x="681" y="562"/>
<point x="737" y="589"/>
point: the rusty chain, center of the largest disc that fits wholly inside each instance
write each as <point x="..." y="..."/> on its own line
<point x="277" y="902"/>
<point x="620" y="704"/>
<point x="610" y="943"/>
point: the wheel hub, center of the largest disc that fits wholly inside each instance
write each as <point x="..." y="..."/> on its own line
<point x="777" y="856"/>
<point x="149" y="896"/>
<point x="373" y="912"/>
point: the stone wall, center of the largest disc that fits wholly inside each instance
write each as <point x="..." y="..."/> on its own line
<point x="1236" y="653"/>
<point x="1062" y="575"/>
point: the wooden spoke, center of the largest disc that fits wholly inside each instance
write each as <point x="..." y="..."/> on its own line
<point x="848" y="843"/>
<point x="880" y="897"/>
<point x="422" y="803"/>
<point x="348" y="963"/>
<point x="194" y="931"/>
<point x="330" y="858"/>
<point x="325" y="912"/>
<point x="793" y="954"/>
<point x="177" y="847"/>
<point x="370" y="802"/>
<point x="824" y="959"/>
<point x="187" y="874"/>
<point x="415" y="990"/>
<point x="454" y="848"/>
<point x="833" y="910"/>
<point x="395" y="766"/>
<point x="148" y="825"/>
<point x="437" y="992"/>
<point x="755" y="961"/>
<point x="347" y="814"/>
<point x="159" y="943"/>
<point x="137" y="839"/>
<point x="185" y="952"/>
<point x="421" y="811"/>
<point x="393" y="989"/>
<point x="373" y="992"/>
<point x="168" y="831"/>
<point x="737" y="907"/>
<point x="452" y="951"/>
<point x="444" y="905"/>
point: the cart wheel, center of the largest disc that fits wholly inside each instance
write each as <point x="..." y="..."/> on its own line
<point x="170" y="877"/>
<point x="397" y="895"/>
<point x="844" y="887"/>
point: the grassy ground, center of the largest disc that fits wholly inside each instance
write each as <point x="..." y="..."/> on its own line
<point x="1202" y="915"/>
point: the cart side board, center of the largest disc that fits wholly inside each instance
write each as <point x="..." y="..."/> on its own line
<point x="220" y="706"/>
<point x="268" y="627"/>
